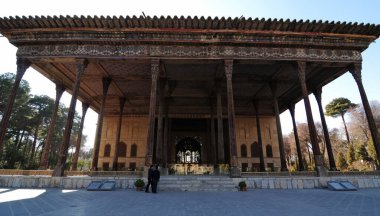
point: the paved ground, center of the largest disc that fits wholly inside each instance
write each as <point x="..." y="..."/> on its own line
<point x="129" y="202"/>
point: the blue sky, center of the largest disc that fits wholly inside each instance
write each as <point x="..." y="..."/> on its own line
<point x="364" y="11"/>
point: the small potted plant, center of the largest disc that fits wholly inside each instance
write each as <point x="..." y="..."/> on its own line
<point x="139" y="184"/>
<point x="242" y="186"/>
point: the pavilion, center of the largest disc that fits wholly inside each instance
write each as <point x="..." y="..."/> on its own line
<point x="189" y="93"/>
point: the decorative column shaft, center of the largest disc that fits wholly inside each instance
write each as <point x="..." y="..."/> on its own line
<point x="318" y="96"/>
<point x="59" y="89"/>
<point x="228" y="67"/>
<point x="165" y="144"/>
<point x="160" y="122"/>
<point x="62" y="154"/>
<point x="356" y="71"/>
<point x="98" y="136"/>
<point x="212" y="134"/>
<point x="155" y="63"/>
<point x="79" y="139"/>
<point x="118" y="132"/>
<point x="318" y="158"/>
<point x="259" y="139"/>
<point x="22" y="65"/>
<point x="219" y="110"/>
<point x="295" y="131"/>
<point x="278" y="125"/>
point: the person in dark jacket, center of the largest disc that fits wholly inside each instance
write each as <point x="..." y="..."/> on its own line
<point x="155" y="179"/>
<point x="150" y="175"/>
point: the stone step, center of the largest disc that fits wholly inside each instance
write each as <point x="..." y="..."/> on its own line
<point x="196" y="183"/>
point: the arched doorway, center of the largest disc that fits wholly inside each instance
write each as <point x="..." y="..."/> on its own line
<point x="188" y="151"/>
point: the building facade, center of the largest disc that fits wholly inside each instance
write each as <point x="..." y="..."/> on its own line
<point x="196" y="95"/>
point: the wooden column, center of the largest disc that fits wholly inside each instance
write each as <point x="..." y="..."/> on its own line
<point x="295" y="131"/>
<point x="278" y="126"/>
<point x="59" y="89"/>
<point x="228" y="68"/>
<point x="160" y="124"/>
<point x="98" y="136"/>
<point x="79" y="139"/>
<point x="22" y="65"/>
<point x="62" y="154"/>
<point x="219" y="110"/>
<point x="318" y="96"/>
<point x="259" y="139"/>
<point x="166" y="138"/>
<point x="118" y="131"/>
<point x="356" y="71"/>
<point x="212" y="136"/>
<point x="152" y="111"/>
<point x="318" y="158"/>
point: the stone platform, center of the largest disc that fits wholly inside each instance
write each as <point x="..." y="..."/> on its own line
<point x="189" y="183"/>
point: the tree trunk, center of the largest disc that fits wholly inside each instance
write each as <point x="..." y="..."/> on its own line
<point x="345" y="128"/>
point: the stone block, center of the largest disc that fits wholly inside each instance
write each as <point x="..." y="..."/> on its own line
<point x="361" y="183"/>
<point x="283" y="184"/>
<point x="300" y="183"/>
<point x="289" y="182"/>
<point x="264" y="183"/>
<point x="294" y="183"/>
<point x="271" y="183"/>
<point x="308" y="183"/>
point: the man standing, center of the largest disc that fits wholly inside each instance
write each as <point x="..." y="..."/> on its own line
<point x="155" y="179"/>
<point x="150" y="175"/>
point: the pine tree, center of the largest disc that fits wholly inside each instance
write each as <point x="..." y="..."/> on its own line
<point x="341" y="161"/>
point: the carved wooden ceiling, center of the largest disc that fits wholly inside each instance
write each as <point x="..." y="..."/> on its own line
<point x="190" y="86"/>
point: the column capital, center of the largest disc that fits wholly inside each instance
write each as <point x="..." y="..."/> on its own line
<point x="228" y="68"/>
<point x="23" y="64"/>
<point x="301" y="67"/>
<point x="155" y="68"/>
<point x="81" y="64"/>
<point x="106" y="83"/>
<point x="318" y="93"/>
<point x="273" y="87"/>
<point x="356" y="70"/>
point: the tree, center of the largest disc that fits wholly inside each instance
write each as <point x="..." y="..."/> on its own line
<point x="339" y="107"/>
<point x="362" y="154"/>
<point x="351" y="154"/>
<point x="341" y="161"/>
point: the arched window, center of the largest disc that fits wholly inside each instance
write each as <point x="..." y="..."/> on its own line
<point x="243" y="150"/>
<point x="269" y="151"/>
<point x="122" y="149"/>
<point x="134" y="150"/>
<point x="107" y="150"/>
<point x="255" y="149"/>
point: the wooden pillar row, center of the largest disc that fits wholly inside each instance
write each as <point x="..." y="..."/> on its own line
<point x="318" y="96"/>
<point x="79" y="139"/>
<point x="63" y="150"/>
<point x="118" y="132"/>
<point x="278" y="126"/>
<point x="356" y="71"/>
<point x="297" y="140"/>
<point x="98" y="136"/>
<point x="22" y="66"/>
<point x="318" y="158"/>
<point x="59" y="89"/>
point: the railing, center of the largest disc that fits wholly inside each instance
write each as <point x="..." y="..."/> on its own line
<point x="69" y="173"/>
<point x="279" y="174"/>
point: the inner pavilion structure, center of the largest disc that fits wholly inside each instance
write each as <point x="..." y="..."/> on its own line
<point x="195" y="95"/>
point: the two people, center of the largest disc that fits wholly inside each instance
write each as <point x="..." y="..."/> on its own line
<point x="153" y="178"/>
